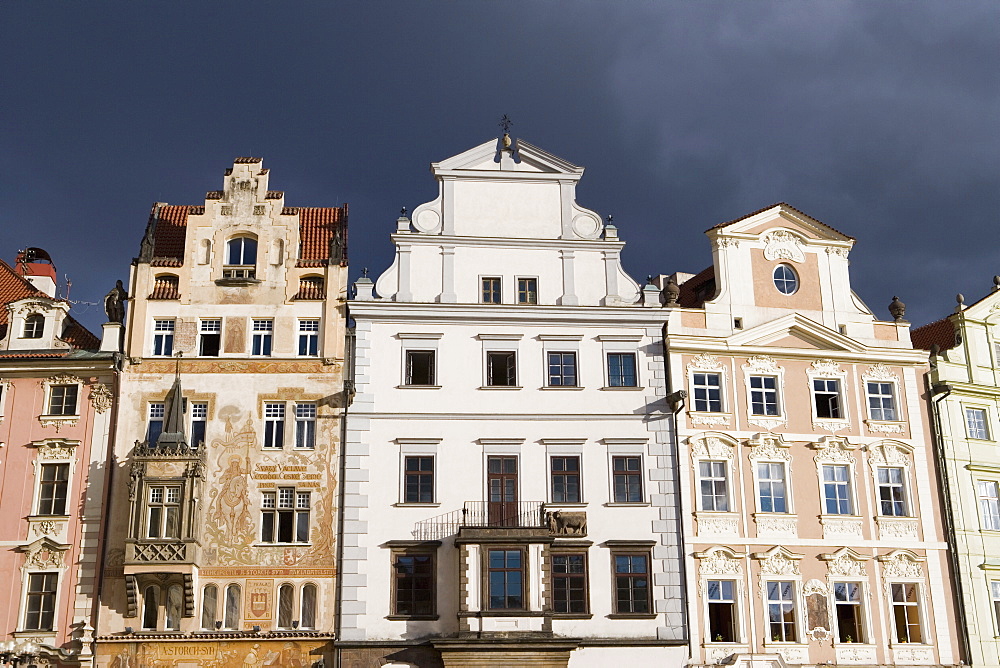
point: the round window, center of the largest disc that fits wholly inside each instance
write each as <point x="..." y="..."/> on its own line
<point x="785" y="279"/>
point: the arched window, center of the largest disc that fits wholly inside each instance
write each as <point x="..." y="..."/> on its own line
<point x="166" y="286"/>
<point x="175" y="601"/>
<point x="241" y="258"/>
<point x="308" y="617"/>
<point x="232" y="620"/>
<point x="150" y="607"/>
<point x="209" y="607"/>
<point x="34" y="324"/>
<point x="286" y="606"/>
<point x="311" y="287"/>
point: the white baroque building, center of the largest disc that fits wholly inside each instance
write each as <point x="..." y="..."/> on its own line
<point x="509" y="491"/>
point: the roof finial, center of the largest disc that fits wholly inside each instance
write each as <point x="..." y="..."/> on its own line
<point x="402" y="211"/>
<point x="960" y="298"/>
<point x="505" y="124"/>
<point x="609" y="218"/>
<point x="364" y="272"/>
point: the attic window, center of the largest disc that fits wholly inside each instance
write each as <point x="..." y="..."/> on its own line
<point x="241" y="258"/>
<point x="34" y="324"/>
<point x="785" y="279"/>
<point x="166" y="287"/>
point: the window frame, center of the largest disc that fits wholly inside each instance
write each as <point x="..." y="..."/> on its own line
<point x="36" y="322"/>
<point x="164" y="505"/>
<point x="734" y="604"/>
<point x="278" y="512"/>
<point x="156" y="413"/>
<point x="512" y="371"/>
<point x="309" y="336"/>
<point x="619" y="380"/>
<point x="696" y="386"/>
<point x="563" y="473"/>
<point x="274" y="424"/>
<point x="726" y="480"/>
<point x="860" y="612"/>
<point x="795" y="281"/>
<point x="261" y="337"/>
<point x="902" y="485"/>
<point x="994" y="501"/>
<point x="50" y="594"/>
<point x="430" y="578"/>
<point x="306" y="421"/>
<point x="986" y="433"/>
<point x="206" y="329"/>
<point x="558" y="552"/>
<point x="776" y="390"/>
<point x="242" y="270"/>
<point x="55" y="485"/>
<point x="622" y="344"/>
<point x="616" y="601"/>
<point x="851" y="486"/>
<point x="796" y="621"/>
<point x="994" y="593"/>
<point x="894" y="396"/>
<point x="640" y="474"/>
<point x="205" y="607"/>
<point x="163" y="339"/>
<point x="64" y="409"/>
<point x="917" y="604"/>
<point x="419" y="475"/>
<point x="838" y="395"/>
<point x="495" y="289"/>
<point x="198" y="409"/>
<point x="488" y="569"/>
<point x="530" y="294"/>
<point x="560" y="378"/>
<point x="432" y="370"/>
<point x="785" y="482"/>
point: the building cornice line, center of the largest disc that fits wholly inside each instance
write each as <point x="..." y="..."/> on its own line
<point x="903" y="356"/>
<point x="487" y="315"/>
<point x="420" y="239"/>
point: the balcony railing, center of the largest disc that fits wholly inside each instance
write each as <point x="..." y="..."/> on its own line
<point x="483" y="514"/>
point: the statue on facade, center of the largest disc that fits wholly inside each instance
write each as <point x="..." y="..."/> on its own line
<point x="114" y="303"/>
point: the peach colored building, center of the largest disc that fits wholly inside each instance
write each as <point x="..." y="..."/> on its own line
<point x="812" y="522"/>
<point x="56" y="410"/>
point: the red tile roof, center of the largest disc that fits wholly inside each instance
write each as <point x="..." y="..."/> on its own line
<point x="274" y="194"/>
<point x="14" y="287"/>
<point x="698" y="289"/>
<point x="941" y="332"/>
<point x="247" y="161"/>
<point x="785" y="205"/>
<point x="310" y="287"/>
<point x="171" y="228"/>
<point x="316" y="227"/>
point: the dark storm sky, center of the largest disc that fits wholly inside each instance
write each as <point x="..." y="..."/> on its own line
<point x="878" y="118"/>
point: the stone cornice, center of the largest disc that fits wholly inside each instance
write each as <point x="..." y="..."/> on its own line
<point x="476" y="314"/>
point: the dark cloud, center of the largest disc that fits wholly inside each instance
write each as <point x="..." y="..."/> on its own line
<point x="877" y="118"/>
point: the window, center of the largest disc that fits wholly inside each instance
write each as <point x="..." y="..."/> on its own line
<point x="163" y="512"/>
<point x="420" y="367"/>
<point x="837" y="489"/>
<point x="285" y="516"/>
<point x="989" y="504"/>
<point x="413" y="584"/>
<point x="881" y="401"/>
<point x="506" y="579"/>
<point x="62" y="399"/>
<point x="714" y="482"/>
<point x="771" y="486"/>
<point x="527" y="291"/>
<point x="150" y="608"/>
<point x="305" y="425"/>
<point x="621" y="370"/>
<point x="286" y="606"/>
<point x="34" y="325"/>
<point x="491" y="290"/>
<point x="241" y="258"/>
<point x="721" y="610"/>
<point x="209" y="607"/>
<point x="163" y="338"/>
<point x="763" y="395"/>
<point x="631" y="583"/>
<point x="274" y="425"/>
<point x="41" y="604"/>
<point x="199" y="419"/>
<point x="154" y="426"/>
<point x="565" y="479"/>
<point x="847" y="598"/>
<point x="995" y="596"/>
<point x="906" y="611"/>
<point x="975" y="421"/>
<point x="627" y="479"/>
<point x="209" y="337"/>
<point x="175" y="599"/>
<point x="562" y="369"/>
<point x="501" y="369"/>
<point x="308" y="338"/>
<point x="781" y="611"/>
<point x="307" y="613"/>
<point x="232" y="617"/>
<point x="785" y="279"/>
<point x="52" y="489"/>
<point x="826" y="398"/>
<point x="707" y="392"/>
<point x="260" y="344"/>
<point x="418" y="479"/>
<point x="891" y="491"/>
<point x="569" y="583"/>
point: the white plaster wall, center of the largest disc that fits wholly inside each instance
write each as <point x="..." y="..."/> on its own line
<point x="516" y="209"/>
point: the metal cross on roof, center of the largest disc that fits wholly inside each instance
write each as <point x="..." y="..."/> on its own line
<point x="505" y="124"/>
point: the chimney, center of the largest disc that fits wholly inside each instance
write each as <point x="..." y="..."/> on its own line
<point x="35" y="265"/>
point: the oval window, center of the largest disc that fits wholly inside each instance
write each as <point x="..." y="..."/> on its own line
<point x="785" y="279"/>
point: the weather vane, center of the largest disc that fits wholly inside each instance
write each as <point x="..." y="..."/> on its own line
<point x="505" y="124"/>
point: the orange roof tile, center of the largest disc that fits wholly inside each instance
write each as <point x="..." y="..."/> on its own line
<point x="941" y="332"/>
<point x="14" y="287"/>
<point x="787" y="206"/>
<point x="698" y="289"/>
<point x="171" y="228"/>
<point x="316" y="227"/>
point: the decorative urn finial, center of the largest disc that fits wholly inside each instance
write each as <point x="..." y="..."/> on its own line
<point x="505" y="124"/>
<point x="996" y="283"/>
<point x="960" y="298"/>
<point x="897" y="309"/>
<point x="671" y="292"/>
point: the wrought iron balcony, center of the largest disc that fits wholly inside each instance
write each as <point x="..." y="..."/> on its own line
<point x="483" y="514"/>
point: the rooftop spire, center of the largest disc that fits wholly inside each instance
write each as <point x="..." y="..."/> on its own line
<point x="173" y="422"/>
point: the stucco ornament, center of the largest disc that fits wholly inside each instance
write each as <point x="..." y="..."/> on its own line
<point x="710" y="420"/>
<point x="727" y="242"/>
<point x="56" y="449"/>
<point x="46" y="527"/>
<point x="826" y="368"/>
<point x="61" y="379"/>
<point x="815" y="586"/>
<point x="841" y="251"/>
<point x="887" y="454"/>
<point x="833" y="451"/>
<point x="772" y="526"/>
<point x="27" y="308"/>
<point x="761" y="364"/>
<point x="880" y="372"/>
<point x="900" y="565"/>
<point x="845" y="564"/>
<point x="717" y="562"/>
<point x="782" y="245"/>
<point x="777" y="562"/>
<point x="44" y="555"/>
<point x="769" y="447"/>
<point x="100" y="397"/>
<point x="716" y="525"/>
<point x="710" y="447"/>
<point x="706" y="362"/>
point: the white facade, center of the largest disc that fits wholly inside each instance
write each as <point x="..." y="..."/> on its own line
<point x="503" y="372"/>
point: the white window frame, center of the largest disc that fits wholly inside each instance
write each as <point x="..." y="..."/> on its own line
<point x="797" y="611"/>
<point x="863" y="606"/>
<point x="723" y="563"/>
<point x="261" y="335"/>
<point x="308" y="334"/>
<point x="303" y="417"/>
<point x="418" y="447"/>
<point x="22" y="621"/>
<point x="160" y="334"/>
<point x="53" y="451"/>
<point x="709" y="364"/>
<point x="419" y="342"/>
<point x="987" y="432"/>
<point x="921" y="605"/>
<point x="617" y="344"/>
<point x="880" y="373"/>
<point x="202" y="330"/>
<point x="826" y="370"/>
<point x="786" y="480"/>
<point x="994" y="593"/>
<point x="726" y="477"/>
<point x="764" y="366"/>
<point x="294" y="508"/>
<point x="851" y="488"/>
<point x="996" y="501"/>
<point x="272" y="406"/>
<point x="63" y="380"/>
<point x="195" y="409"/>
<point x="502" y="343"/>
<point x="148" y="505"/>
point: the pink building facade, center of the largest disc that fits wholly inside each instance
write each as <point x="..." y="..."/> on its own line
<point x="56" y="411"/>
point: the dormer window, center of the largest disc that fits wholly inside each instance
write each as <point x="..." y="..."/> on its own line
<point x="241" y="258"/>
<point x="34" y="325"/>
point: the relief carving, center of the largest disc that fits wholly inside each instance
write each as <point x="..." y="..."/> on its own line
<point x="717" y="562"/>
<point x="900" y="565"/>
<point x="826" y="368"/>
<point x="711" y="447"/>
<point x="880" y="372"/>
<point x="564" y="523"/>
<point x="236" y="335"/>
<point x="777" y="562"/>
<point x="769" y="447"/>
<point x="706" y="362"/>
<point x="100" y="397"/>
<point x="833" y="451"/>
<point x="761" y="364"/>
<point x="782" y="245"/>
<point x="845" y="564"/>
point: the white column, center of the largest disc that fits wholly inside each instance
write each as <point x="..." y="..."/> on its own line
<point x="403" y="293"/>
<point x="611" y="277"/>
<point x="569" y="297"/>
<point x="447" y="207"/>
<point x="448" y="295"/>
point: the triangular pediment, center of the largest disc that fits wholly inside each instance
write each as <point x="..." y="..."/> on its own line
<point x="785" y="217"/>
<point x="484" y="158"/>
<point x="795" y="331"/>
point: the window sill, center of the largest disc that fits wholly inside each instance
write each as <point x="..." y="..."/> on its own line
<point x="412" y="618"/>
<point x="622" y="615"/>
<point x="561" y="387"/>
<point x="565" y="504"/>
<point x="228" y="282"/>
<point x="501" y="387"/>
<point x="282" y="545"/>
<point x="886" y="426"/>
<point x="507" y="613"/>
<point x="572" y="615"/>
<point x="418" y="387"/>
<point x="619" y="504"/>
<point x="416" y="505"/>
<point x="622" y="388"/>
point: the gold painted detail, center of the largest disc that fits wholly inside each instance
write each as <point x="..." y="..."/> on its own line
<point x="214" y="654"/>
<point x="233" y="366"/>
